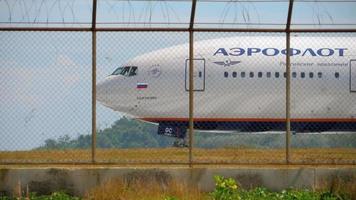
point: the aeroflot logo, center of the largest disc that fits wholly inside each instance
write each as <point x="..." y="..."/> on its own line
<point x="325" y="52"/>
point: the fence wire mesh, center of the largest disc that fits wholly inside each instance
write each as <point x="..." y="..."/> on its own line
<point x="239" y="104"/>
<point x="150" y="87"/>
<point x="49" y="13"/>
<point x="246" y="121"/>
<point x="239" y="82"/>
<point x="322" y="98"/>
<point x="45" y="82"/>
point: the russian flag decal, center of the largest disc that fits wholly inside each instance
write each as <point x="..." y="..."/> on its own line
<point x="142" y="85"/>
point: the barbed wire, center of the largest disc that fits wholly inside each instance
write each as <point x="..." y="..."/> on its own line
<point x="234" y="12"/>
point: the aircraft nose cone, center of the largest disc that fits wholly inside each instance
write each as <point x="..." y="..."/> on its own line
<point x="101" y="92"/>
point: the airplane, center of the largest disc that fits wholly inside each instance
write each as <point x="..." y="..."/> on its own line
<point x="240" y="85"/>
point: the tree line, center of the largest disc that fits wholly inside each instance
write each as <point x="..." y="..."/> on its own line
<point x="129" y="133"/>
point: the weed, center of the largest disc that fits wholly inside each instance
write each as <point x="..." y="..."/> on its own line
<point x="145" y="189"/>
<point x="226" y="189"/>
<point x="53" y="196"/>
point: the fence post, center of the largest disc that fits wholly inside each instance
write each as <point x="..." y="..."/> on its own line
<point x="191" y="97"/>
<point x="191" y="82"/>
<point x="93" y="103"/>
<point x="288" y="123"/>
<point x="288" y="100"/>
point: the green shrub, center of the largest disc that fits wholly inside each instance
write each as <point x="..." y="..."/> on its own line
<point x="53" y="196"/>
<point x="225" y="189"/>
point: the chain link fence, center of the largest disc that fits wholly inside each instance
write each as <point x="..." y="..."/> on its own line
<point x="133" y="141"/>
<point x="142" y="80"/>
<point x="237" y="98"/>
<point x="45" y="96"/>
<point x="322" y="108"/>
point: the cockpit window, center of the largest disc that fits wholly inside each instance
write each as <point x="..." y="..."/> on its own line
<point x="117" y="71"/>
<point x="133" y="71"/>
<point x="125" y="71"/>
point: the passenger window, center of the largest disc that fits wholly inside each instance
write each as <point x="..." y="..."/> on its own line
<point x="320" y="75"/>
<point x="243" y="74"/>
<point x="302" y="74"/>
<point x="226" y="74"/>
<point x="259" y="74"/>
<point x="251" y="74"/>
<point x="133" y="71"/>
<point x="285" y="74"/>
<point x="234" y="74"/>
<point x="200" y="74"/>
<point x="294" y="74"/>
<point x="311" y="74"/>
<point x="268" y="74"/>
<point x="276" y="74"/>
<point x="337" y="75"/>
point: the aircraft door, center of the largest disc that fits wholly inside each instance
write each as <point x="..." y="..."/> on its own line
<point x="353" y="75"/>
<point x="198" y="75"/>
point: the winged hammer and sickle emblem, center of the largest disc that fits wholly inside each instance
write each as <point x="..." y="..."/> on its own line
<point x="227" y="62"/>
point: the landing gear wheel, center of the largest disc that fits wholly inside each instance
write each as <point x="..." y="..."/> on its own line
<point x="180" y="142"/>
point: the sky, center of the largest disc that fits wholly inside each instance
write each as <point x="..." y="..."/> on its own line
<point x="45" y="77"/>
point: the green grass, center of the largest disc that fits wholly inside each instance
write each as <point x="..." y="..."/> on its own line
<point x="290" y="194"/>
<point x="115" y="190"/>
<point x="228" y="189"/>
<point x="33" y="196"/>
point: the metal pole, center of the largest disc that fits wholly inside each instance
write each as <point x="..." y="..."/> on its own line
<point x="93" y="120"/>
<point x="288" y="99"/>
<point x="217" y="30"/>
<point x="191" y="83"/>
<point x="191" y="97"/>
<point x="288" y="124"/>
<point x="93" y="102"/>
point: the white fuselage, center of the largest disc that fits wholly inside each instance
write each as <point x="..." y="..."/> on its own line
<point x="240" y="78"/>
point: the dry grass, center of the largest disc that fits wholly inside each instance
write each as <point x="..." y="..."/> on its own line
<point x="148" y="187"/>
<point x="145" y="189"/>
<point x="172" y="155"/>
<point x="340" y="185"/>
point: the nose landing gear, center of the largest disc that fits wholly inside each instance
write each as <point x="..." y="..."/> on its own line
<point x="178" y="132"/>
<point x="180" y="142"/>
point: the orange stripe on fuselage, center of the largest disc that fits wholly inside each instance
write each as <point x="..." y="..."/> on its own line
<point x="249" y="119"/>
